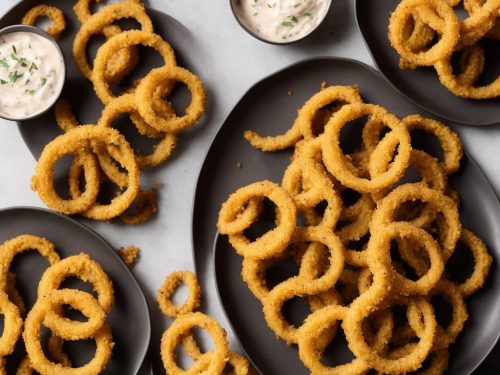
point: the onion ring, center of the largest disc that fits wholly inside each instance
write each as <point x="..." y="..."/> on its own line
<point x="55" y="15"/>
<point x="116" y="43"/>
<point x="449" y="28"/>
<point x="148" y="86"/>
<point x="336" y="162"/>
<point x="98" y="22"/>
<point x="170" y="285"/>
<point x="274" y="241"/>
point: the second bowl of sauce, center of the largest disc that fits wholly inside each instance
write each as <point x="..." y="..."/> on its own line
<point x="280" y="21"/>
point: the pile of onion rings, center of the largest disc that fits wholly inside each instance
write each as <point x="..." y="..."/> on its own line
<point x="429" y="33"/>
<point x="359" y="262"/>
<point x="146" y="102"/>
<point x="180" y="333"/>
<point x="48" y="310"/>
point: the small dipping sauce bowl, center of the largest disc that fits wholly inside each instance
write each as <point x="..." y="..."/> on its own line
<point x="280" y="22"/>
<point x="31" y="76"/>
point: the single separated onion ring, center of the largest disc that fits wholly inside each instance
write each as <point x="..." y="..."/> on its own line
<point x="180" y="327"/>
<point x="342" y="169"/>
<point x="55" y="15"/>
<point x="123" y="40"/>
<point x="148" y="86"/>
<point x="274" y="241"/>
<point x="170" y="285"/>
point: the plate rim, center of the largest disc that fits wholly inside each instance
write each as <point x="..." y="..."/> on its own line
<point x="101" y="239"/>
<point x="215" y="138"/>
<point x="408" y="97"/>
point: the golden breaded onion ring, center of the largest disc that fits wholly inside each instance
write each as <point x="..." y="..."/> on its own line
<point x="170" y="285"/>
<point x="12" y="325"/>
<point x="55" y="15"/>
<point x="448" y="28"/>
<point x="125" y="60"/>
<point x="463" y="88"/>
<point x="84" y="268"/>
<point x="448" y="139"/>
<point x="123" y="40"/>
<point x="128" y="104"/>
<point x="320" y="189"/>
<point x="171" y="124"/>
<point x="83" y="138"/>
<point x="274" y="241"/>
<point x="183" y="325"/>
<point x="413" y="358"/>
<point x="15" y="246"/>
<point x="342" y="169"/>
<point x="42" y="181"/>
<point x="32" y="337"/>
<point x="78" y="300"/>
<point x="382" y="237"/>
<point x="384" y="214"/>
<point x="482" y="263"/>
<point x="100" y="20"/>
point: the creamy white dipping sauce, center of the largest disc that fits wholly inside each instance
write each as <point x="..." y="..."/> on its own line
<point x="281" y="21"/>
<point x="31" y="74"/>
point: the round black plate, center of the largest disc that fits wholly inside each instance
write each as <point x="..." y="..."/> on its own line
<point x="267" y="108"/>
<point x="129" y="317"/>
<point x="422" y="86"/>
<point x="79" y="91"/>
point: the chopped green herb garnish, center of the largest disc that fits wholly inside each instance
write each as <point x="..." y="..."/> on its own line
<point x="14" y="48"/>
<point x="255" y="14"/>
<point x="2" y="82"/>
<point x="31" y="92"/>
<point x="33" y="67"/>
<point x="44" y="81"/>
<point x="308" y="15"/>
<point x="29" y="45"/>
<point x="3" y="63"/>
<point x="14" y="76"/>
<point x="287" y="23"/>
<point x="295" y="19"/>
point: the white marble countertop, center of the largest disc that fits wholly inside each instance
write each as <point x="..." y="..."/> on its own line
<point x="232" y="62"/>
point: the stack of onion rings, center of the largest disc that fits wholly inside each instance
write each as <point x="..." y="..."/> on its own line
<point x="349" y="272"/>
<point x="413" y="28"/>
<point x="146" y="102"/>
<point x="48" y="310"/>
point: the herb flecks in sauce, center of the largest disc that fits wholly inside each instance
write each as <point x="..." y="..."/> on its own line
<point x="281" y="19"/>
<point x="31" y="74"/>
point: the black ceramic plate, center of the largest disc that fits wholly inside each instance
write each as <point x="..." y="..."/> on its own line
<point x="422" y="86"/>
<point x="129" y="317"/>
<point x="267" y="108"/>
<point x="78" y="90"/>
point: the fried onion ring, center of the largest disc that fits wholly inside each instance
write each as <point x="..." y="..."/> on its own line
<point x="170" y="285"/>
<point x="55" y="15"/>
